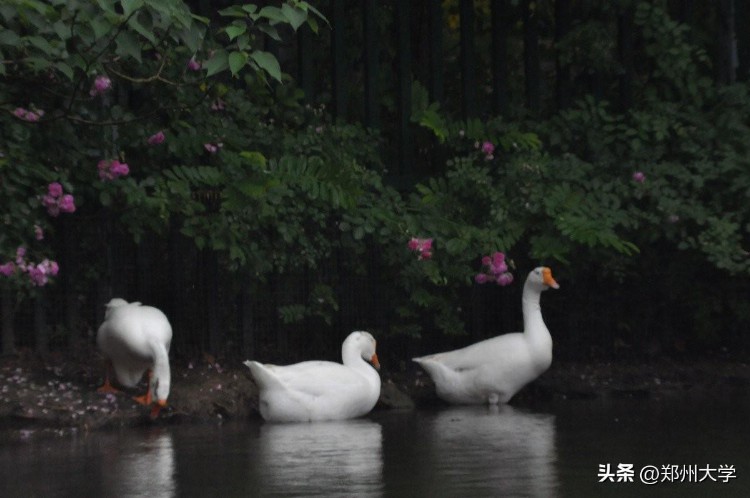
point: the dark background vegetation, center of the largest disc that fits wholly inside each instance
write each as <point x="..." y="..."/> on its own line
<point x="295" y="233"/>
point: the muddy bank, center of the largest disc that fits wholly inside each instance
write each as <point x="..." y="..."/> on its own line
<point x="58" y="396"/>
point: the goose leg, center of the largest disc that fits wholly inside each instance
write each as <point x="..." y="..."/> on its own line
<point x="107" y="387"/>
<point x="146" y="398"/>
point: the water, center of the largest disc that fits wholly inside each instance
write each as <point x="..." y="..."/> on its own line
<point x="462" y="451"/>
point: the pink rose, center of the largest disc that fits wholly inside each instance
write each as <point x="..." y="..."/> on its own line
<point x="67" y="204"/>
<point x="7" y="269"/>
<point x="55" y="190"/>
<point x="639" y="177"/>
<point x="102" y="83"/>
<point x="156" y="138"/>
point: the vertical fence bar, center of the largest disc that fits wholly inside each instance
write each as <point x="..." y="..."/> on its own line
<point x="500" y="28"/>
<point x="726" y="57"/>
<point x="436" y="79"/>
<point x="403" y="40"/>
<point x="7" y="312"/>
<point x="305" y="63"/>
<point x="247" y="324"/>
<point x="372" y="56"/>
<point x="742" y="16"/>
<point x="562" y="71"/>
<point x="468" y="61"/>
<point x="337" y="54"/>
<point x="41" y="329"/>
<point x="532" y="72"/>
<point x="625" y="52"/>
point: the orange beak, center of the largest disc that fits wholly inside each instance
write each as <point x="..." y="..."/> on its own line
<point x="375" y="362"/>
<point x="548" y="280"/>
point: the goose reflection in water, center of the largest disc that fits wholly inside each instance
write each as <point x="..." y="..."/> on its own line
<point x="145" y="469"/>
<point x="342" y="457"/>
<point x="495" y="451"/>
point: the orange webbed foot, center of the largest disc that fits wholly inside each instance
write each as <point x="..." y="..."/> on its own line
<point x="107" y="388"/>
<point x="145" y="399"/>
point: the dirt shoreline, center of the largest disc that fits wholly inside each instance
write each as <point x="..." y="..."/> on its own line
<point x="58" y="396"/>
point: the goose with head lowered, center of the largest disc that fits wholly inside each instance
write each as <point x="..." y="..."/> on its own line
<point x="136" y="339"/>
<point x="493" y="370"/>
<point x="321" y="390"/>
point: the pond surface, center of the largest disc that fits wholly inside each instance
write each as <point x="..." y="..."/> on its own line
<point x="462" y="451"/>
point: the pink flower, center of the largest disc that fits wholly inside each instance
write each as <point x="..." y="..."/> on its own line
<point x="421" y="246"/>
<point x="20" y="253"/>
<point x="156" y="138"/>
<point x="488" y="148"/>
<point x="194" y="65"/>
<point x="67" y="204"/>
<point x="102" y="83"/>
<point x="55" y="190"/>
<point x="109" y="169"/>
<point x="38" y="232"/>
<point x="217" y="105"/>
<point x="37" y="275"/>
<point x="56" y="202"/>
<point x="51" y="204"/>
<point x="505" y="279"/>
<point x="639" y="177"/>
<point x="495" y="269"/>
<point x="213" y="148"/>
<point x="26" y="115"/>
<point x="119" y="169"/>
<point x="7" y="269"/>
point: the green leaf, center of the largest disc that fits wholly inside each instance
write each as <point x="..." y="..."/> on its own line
<point x="295" y="16"/>
<point x="235" y="30"/>
<point x="8" y="37"/>
<point x="273" y="14"/>
<point x="270" y="31"/>
<point x="237" y="61"/>
<point x="128" y="46"/>
<point x="129" y="6"/>
<point x="218" y="63"/>
<point x="267" y="62"/>
<point x="63" y="68"/>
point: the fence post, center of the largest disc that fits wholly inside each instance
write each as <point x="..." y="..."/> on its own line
<point x="337" y="54"/>
<point x="247" y="325"/>
<point x="403" y="38"/>
<point x="500" y="27"/>
<point x="468" y="64"/>
<point x="7" y="311"/>
<point x="41" y="331"/>
<point x="305" y="65"/>
<point x="625" y="52"/>
<point x="436" y="83"/>
<point x="532" y="71"/>
<point x="562" y="71"/>
<point x="372" y="56"/>
<point x="727" y="50"/>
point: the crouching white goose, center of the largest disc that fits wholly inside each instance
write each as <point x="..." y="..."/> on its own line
<point x="493" y="370"/>
<point x="136" y="339"/>
<point x="321" y="390"/>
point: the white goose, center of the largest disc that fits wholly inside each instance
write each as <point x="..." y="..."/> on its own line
<point x="321" y="390"/>
<point x="493" y="370"/>
<point x="136" y="339"/>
